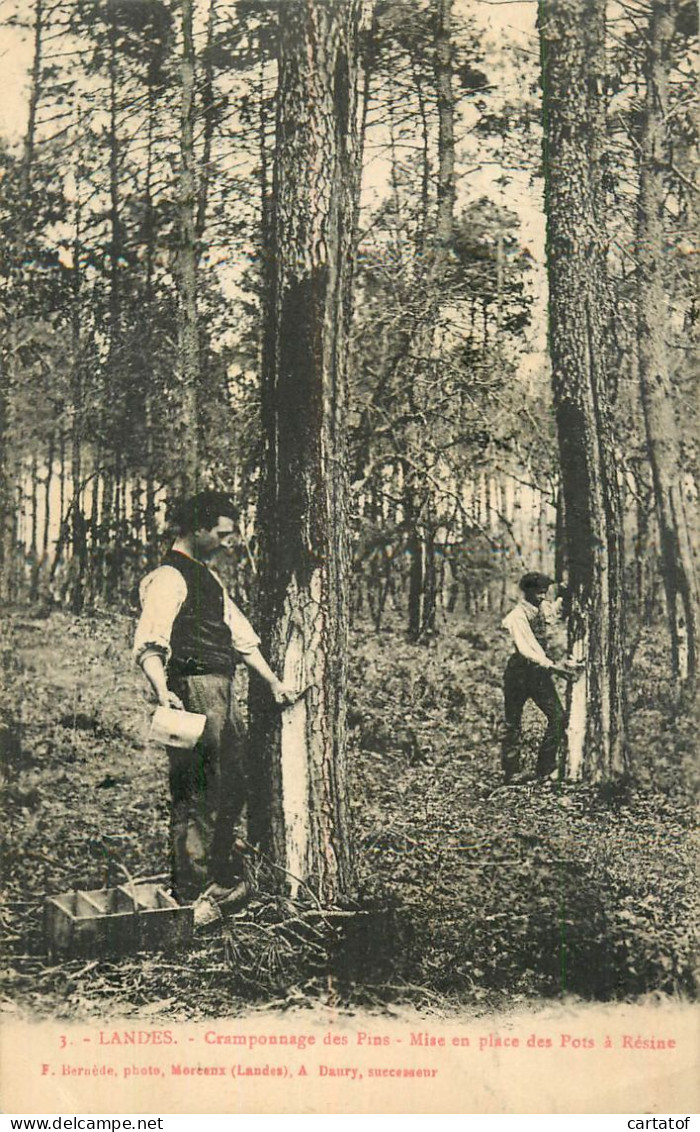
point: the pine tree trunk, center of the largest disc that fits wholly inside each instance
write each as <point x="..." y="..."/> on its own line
<point x="572" y="34"/>
<point x="188" y="321"/>
<point x="137" y="510"/>
<point x="423" y="591"/>
<point x="209" y="115"/>
<point x="48" y="487"/>
<point x="78" y="549"/>
<point x="425" y="164"/>
<point x="678" y="566"/>
<point x="117" y="531"/>
<point x="108" y="536"/>
<point x="416" y="558"/>
<point x="430" y="583"/>
<point x="61" y="479"/>
<point x="34" y="529"/>
<point x="87" y="535"/>
<point x="446" y="190"/>
<point x="78" y="536"/>
<point x="104" y="535"/>
<point x="303" y="515"/>
<point x="9" y="378"/>
<point x="48" y="478"/>
<point x="150" y="526"/>
<point x="7" y="492"/>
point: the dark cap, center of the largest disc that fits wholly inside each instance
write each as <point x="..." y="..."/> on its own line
<point x="535" y="581"/>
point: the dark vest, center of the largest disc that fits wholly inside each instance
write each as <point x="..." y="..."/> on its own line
<point x="539" y="629"/>
<point x="201" y="640"/>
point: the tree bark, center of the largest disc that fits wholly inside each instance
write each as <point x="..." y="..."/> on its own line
<point x="61" y="484"/>
<point x="78" y="532"/>
<point x="416" y="546"/>
<point x="423" y="589"/>
<point x="188" y="321"/>
<point x="48" y="486"/>
<point x="10" y="379"/>
<point x="678" y="566"/>
<point x="572" y="38"/>
<point x="34" y="97"/>
<point x="107" y="540"/>
<point x="33" y="527"/>
<point x="209" y="115"/>
<point x="446" y="189"/>
<point x="150" y="525"/>
<point x="425" y="163"/>
<point x="303" y="513"/>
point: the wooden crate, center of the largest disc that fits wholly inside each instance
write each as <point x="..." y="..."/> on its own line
<point x="115" y="921"/>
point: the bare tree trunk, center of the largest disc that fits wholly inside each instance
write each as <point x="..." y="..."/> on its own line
<point x="430" y="581"/>
<point x="10" y="378"/>
<point x="209" y="114"/>
<point x="48" y="483"/>
<point x="425" y="163"/>
<point x="90" y="552"/>
<point x="117" y="533"/>
<point x="62" y="476"/>
<point x="34" y="97"/>
<point x="48" y="487"/>
<point x="78" y="551"/>
<point x="78" y="531"/>
<point x="678" y="566"/>
<point x="416" y="558"/>
<point x="7" y="492"/>
<point x="103" y="535"/>
<point x="303" y="515"/>
<point x="446" y="190"/>
<point x="150" y="526"/>
<point x="572" y="34"/>
<point x="107" y="536"/>
<point x="188" y="322"/>
<point x="33" y="527"/>
<point x="423" y="590"/>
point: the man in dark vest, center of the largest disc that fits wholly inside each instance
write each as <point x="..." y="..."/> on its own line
<point x="528" y="676"/>
<point x="188" y="641"/>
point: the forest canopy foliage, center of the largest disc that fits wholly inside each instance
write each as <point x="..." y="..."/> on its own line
<point x="417" y="289"/>
<point x="138" y="194"/>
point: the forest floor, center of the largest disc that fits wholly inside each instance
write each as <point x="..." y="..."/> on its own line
<point x="470" y="895"/>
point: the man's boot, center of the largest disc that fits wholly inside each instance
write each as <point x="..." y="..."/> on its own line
<point x="513" y="775"/>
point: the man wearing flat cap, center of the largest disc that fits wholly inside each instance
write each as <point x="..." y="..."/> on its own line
<point x="528" y="676"/>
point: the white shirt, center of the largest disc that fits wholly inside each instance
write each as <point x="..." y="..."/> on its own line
<point x="162" y="594"/>
<point x="519" y="623"/>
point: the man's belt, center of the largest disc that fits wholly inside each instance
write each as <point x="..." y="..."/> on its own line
<point x="195" y="666"/>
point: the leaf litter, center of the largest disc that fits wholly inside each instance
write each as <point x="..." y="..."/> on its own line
<point x="469" y="894"/>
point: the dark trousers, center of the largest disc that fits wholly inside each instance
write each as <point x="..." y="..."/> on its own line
<point x="208" y="789"/>
<point x="525" y="681"/>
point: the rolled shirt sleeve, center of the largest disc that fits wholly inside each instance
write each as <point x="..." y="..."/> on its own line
<point x="162" y="594"/>
<point x="243" y="636"/>
<point x="518" y="626"/>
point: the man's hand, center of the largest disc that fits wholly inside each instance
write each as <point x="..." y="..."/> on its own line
<point x="283" y="694"/>
<point x="570" y="669"/>
<point x="169" y="699"/>
<point x="558" y="670"/>
<point x="154" y="671"/>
